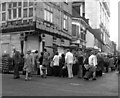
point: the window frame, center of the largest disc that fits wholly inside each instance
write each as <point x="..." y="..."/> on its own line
<point x="26" y="13"/>
<point x="4" y="8"/>
<point x="65" y="22"/>
<point x="4" y="18"/>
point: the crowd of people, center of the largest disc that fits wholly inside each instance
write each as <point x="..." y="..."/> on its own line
<point x="80" y="63"/>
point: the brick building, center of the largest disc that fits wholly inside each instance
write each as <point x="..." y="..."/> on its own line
<point x="35" y="25"/>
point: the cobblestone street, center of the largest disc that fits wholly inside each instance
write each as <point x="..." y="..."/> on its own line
<point x="53" y="86"/>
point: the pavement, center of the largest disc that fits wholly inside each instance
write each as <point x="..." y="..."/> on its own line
<point x="107" y="85"/>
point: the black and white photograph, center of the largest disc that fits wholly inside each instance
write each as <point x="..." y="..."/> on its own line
<point x="59" y="48"/>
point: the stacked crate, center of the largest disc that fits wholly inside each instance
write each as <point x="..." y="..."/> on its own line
<point x="5" y="64"/>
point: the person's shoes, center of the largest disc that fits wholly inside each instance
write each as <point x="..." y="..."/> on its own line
<point x="86" y="78"/>
<point x="42" y="76"/>
<point x="94" y="79"/>
<point x="16" y="77"/>
<point x="26" y="79"/>
<point x="70" y="77"/>
<point x="29" y="78"/>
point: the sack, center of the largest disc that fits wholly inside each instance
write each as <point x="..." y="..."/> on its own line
<point x="87" y="66"/>
<point x="51" y="64"/>
<point x="92" y="68"/>
<point x="88" y="74"/>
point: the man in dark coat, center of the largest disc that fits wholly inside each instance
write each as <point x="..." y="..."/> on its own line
<point x="16" y="62"/>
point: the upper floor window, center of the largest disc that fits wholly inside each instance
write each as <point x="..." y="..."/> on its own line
<point x="25" y="4"/>
<point x="48" y="14"/>
<point x="30" y="12"/>
<point x="3" y="6"/>
<point x="3" y="16"/>
<point x="14" y="13"/>
<point x="10" y="5"/>
<point x="83" y="36"/>
<point x="14" y="4"/>
<point x="25" y="11"/>
<point x="19" y="12"/>
<point x="75" y="30"/>
<point x="9" y="13"/>
<point x="19" y="3"/>
<point x="31" y="3"/>
<point x="65" y="22"/>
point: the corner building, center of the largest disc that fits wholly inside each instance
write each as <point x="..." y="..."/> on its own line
<point x="35" y="25"/>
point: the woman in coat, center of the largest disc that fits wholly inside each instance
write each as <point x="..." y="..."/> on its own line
<point x="28" y="65"/>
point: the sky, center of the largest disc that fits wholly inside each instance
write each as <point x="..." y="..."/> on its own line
<point x="114" y="20"/>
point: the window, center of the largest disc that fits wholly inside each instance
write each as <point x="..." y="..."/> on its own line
<point x="19" y="12"/>
<point x="14" y="13"/>
<point x="3" y="16"/>
<point x="19" y="3"/>
<point x="9" y="5"/>
<point x="30" y="20"/>
<point x="83" y="36"/>
<point x="30" y="3"/>
<point x="14" y="4"/>
<point x="25" y="13"/>
<point x="73" y="30"/>
<point x="48" y="14"/>
<point x="3" y="6"/>
<point x="25" y="4"/>
<point x="9" y="13"/>
<point x="25" y="21"/>
<point x="30" y="12"/>
<point x="65" y="22"/>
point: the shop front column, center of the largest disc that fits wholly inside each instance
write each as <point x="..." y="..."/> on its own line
<point x="39" y="45"/>
<point x="25" y="45"/>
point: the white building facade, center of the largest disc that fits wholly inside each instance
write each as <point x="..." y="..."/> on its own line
<point x="97" y="11"/>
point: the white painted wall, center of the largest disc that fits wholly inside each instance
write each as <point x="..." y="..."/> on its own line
<point x="89" y="39"/>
